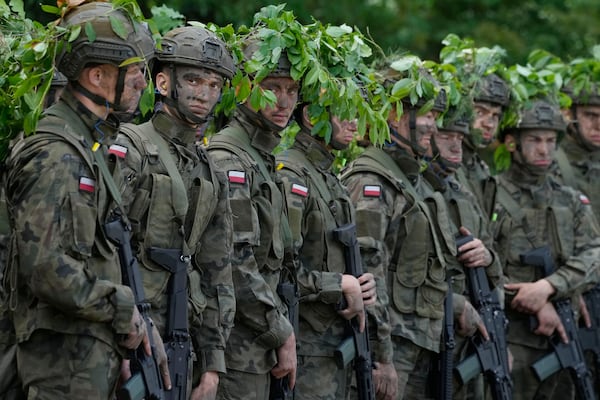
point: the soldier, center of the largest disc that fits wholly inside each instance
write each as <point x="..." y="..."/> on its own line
<point x="317" y="204"/>
<point x="533" y="211"/>
<point x="491" y="97"/>
<point x="262" y="341"/>
<point x="400" y="242"/>
<point x="180" y="201"/>
<point x="72" y="316"/>
<point x="464" y="211"/>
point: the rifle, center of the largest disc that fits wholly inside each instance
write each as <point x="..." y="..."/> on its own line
<point x="590" y="337"/>
<point x="288" y="292"/>
<point x="177" y="340"/>
<point x="490" y="357"/>
<point x="360" y="352"/>
<point x="146" y="381"/>
<point x="564" y="355"/>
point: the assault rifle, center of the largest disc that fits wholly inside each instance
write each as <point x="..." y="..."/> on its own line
<point x="356" y="347"/>
<point x="564" y="355"/>
<point x="590" y="337"/>
<point x="146" y="381"/>
<point x="489" y="357"/>
<point x="443" y="362"/>
<point x="177" y="340"/>
<point x="288" y="292"/>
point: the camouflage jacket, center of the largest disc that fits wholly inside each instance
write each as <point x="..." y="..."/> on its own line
<point x="550" y="214"/>
<point x="580" y="168"/>
<point x="317" y="203"/>
<point x="65" y="271"/>
<point x="399" y="245"/>
<point x="202" y="228"/>
<point x="475" y="175"/>
<point x="258" y="206"/>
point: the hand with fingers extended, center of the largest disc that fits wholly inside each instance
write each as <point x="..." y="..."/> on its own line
<point x="287" y="363"/>
<point x="549" y="322"/>
<point x="469" y="321"/>
<point x="385" y="381"/>
<point x="207" y="389"/>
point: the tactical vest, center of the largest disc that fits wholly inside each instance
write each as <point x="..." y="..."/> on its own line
<point x="274" y="236"/>
<point x="416" y="273"/>
<point x="476" y="176"/>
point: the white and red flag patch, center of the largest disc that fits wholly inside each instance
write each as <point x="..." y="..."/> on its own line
<point x="299" y="190"/>
<point x="118" y="150"/>
<point x="584" y="199"/>
<point x="236" y="176"/>
<point x="372" y="191"/>
<point x="87" y="184"/>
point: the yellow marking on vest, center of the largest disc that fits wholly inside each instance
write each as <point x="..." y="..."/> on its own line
<point x="279" y="166"/>
<point x="95" y="146"/>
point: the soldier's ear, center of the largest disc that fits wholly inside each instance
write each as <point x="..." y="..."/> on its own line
<point x="510" y="143"/>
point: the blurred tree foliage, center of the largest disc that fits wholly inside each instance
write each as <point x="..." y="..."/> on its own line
<point x="566" y="28"/>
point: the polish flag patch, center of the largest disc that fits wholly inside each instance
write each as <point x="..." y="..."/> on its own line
<point x="87" y="184"/>
<point x="236" y="176"/>
<point x="299" y="190"/>
<point x="118" y="150"/>
<point x="584" y="199"/>
<point x="372" y="191"/>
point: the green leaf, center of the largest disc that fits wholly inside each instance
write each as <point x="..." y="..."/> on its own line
<point x="50" y="9"/>
<point x="74" y="33"/>
<point x="118" y="27"/>
<point x="90" y="32"/>
<point x="312" y="75"/>
<point x="147" y="99"/>
<point x="337" y="31"/>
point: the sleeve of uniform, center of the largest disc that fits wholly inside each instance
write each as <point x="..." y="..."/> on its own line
<point x="262" y="309"/>
<point x="56" y="217"/>
<point x="374" y="208"/>
<point x="581" y="267"/>
<point x="314" y="285"/>
<point x="213" y="303"/>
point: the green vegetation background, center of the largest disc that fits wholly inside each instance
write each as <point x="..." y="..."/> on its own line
<point x="566" y="28"/>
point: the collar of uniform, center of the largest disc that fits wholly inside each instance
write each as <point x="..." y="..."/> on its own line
<point x="520" y="176"/>
<point x="261" y="137"/>
<point x="409" y="164"/>
<point x="103" y="130"/>
<point x="579" y="154"/>
<point x="315" y="150"/>
<point x="173" y="128"/>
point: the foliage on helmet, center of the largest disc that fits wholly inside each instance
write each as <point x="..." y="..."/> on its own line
<point x="457" y="119"/>
<point x="582" y="79"/>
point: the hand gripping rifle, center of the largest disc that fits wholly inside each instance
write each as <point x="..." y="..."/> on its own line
<point x="490" y="357"/>
<point x="177" y="340"/>
<point x="146" y="381"/>
<point x="590" y="337"/>
<point x="564" y="355"/>
<point x="356" y="347"/>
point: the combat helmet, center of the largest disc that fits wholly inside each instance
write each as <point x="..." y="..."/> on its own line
<point x="541" y="114"/>
<point x="283" y="68"/>
<point x="492" y="89"/>
<point x="106" y="47"/>
<point x="196" y="47"/>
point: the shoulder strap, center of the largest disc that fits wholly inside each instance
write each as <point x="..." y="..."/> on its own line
<point x="315" y="176"/>
<point x="180" y="203"/>
<point x="566" y="169"/>
<point x="514" y="210"/>
<point x="235" y="140"/>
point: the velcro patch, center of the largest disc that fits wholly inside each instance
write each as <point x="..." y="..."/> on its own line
<point x="299" y="190"/>
<point x="584" y="199"/>
<point x="372" y="191"/>
<point x="87" y="184"/>
<point x="118" y="150"/>
<point x="236" y="176"/>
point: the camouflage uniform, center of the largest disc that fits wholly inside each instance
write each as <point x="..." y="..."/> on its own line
<point x="243" y="152"/>
<point x="157" y="223"/>
<point x="475" y="175"/>
<point x="464" y="211"/>
<point x="61" y="266"/>
<point x="554" y="215"/>
<point x="317" y="203"/>
<point x="400" y="246"/>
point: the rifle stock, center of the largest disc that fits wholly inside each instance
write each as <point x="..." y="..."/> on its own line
<point x="363" y="365"/>
<point x="146" y="381"/>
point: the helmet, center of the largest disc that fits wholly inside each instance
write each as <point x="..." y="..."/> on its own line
<point x="541" y="114"/>
<point x="456" y="121"/>
<point x="107" y="47"/>
<point x="586" y="96"/>
<point x="492" y="89"/>
<point x="282" y="69"/>
<point x="58" y="79"/>
<point x="196" y="47"/>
